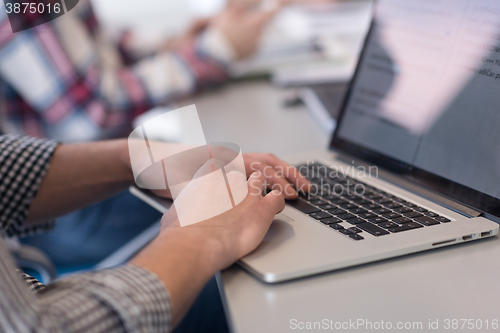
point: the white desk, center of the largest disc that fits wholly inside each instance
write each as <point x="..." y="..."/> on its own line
<point x="459" y="282"/>
<point x="251" y="114"/>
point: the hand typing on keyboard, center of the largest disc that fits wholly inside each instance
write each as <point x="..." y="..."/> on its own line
<point x="351" y="211"/>
<point x="279" y="175"/>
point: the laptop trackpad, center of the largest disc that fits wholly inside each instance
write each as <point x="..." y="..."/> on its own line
<point x="280" y="231"/>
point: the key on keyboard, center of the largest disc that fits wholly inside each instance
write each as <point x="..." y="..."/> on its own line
<point x="372" y="229"/>
<point x="355" y="205"/>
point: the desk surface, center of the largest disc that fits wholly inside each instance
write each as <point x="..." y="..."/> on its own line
<point x="251" y="114"/>
<point x="458" y="282"/>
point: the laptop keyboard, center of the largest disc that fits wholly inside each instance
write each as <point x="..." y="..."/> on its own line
<point x="338" y="198"/>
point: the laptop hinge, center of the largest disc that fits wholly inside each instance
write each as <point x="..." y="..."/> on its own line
<point x="415" y="188"/>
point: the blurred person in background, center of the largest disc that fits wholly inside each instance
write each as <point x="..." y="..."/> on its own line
<point x="69" y="80"/>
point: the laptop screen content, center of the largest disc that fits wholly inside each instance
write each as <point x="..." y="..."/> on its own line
<point x="425" y="98"/>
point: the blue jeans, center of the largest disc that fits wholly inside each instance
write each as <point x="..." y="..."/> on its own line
<point x="85" y="237"/>
<point x="206" y="314"/>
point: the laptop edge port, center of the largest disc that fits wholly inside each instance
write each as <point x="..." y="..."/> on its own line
<point x="486" y="234"/>
<point x="469" y="237"/>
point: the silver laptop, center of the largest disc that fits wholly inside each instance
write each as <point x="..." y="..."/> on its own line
<point x="414" y="163"/>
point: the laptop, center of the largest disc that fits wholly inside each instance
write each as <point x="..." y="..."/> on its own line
<point x="324" y="102"/>
<point x="414" y="161"/>
<point x="419" y="136"/>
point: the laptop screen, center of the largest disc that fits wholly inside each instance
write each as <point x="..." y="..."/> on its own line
<point x="425" y="99"/>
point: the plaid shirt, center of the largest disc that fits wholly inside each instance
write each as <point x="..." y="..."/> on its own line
<point x="67" y="80"/>
<point x="123" y="299"/>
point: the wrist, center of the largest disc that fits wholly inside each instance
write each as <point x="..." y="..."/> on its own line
<point x="184" y="261"/>
<point x="198" y="247"/>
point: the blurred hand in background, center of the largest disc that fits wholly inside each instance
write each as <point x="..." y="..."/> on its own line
<point x="242" y="23"/>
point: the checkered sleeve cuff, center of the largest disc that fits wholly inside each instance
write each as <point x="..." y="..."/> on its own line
<point x="34" y="285"/>
<point x="127" y="297"/>
<point x="24" y="163"/>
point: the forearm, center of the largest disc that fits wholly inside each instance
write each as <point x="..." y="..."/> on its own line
<point x="79" y="175"/>
<point x="184" y="259"/>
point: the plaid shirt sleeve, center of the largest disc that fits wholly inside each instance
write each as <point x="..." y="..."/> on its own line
<point x="124" y="299"/>
<point x="23" y="165"/>
<point x="66" y="80"/>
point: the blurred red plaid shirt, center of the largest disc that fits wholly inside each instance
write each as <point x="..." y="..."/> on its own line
<point x="67" y="79"/>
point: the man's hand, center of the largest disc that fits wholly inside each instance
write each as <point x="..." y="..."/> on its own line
<point x="279" y="175"/>
<point x="238" y="231"/>
<point x="241" y="23"/>
<point x="242" y="26"/>
<point x="185" y="258"/>
<point x="195" y="28"/>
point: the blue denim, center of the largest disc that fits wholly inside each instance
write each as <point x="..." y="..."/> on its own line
<point x="206" y="314"/>
<point x="85" y="237"/>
